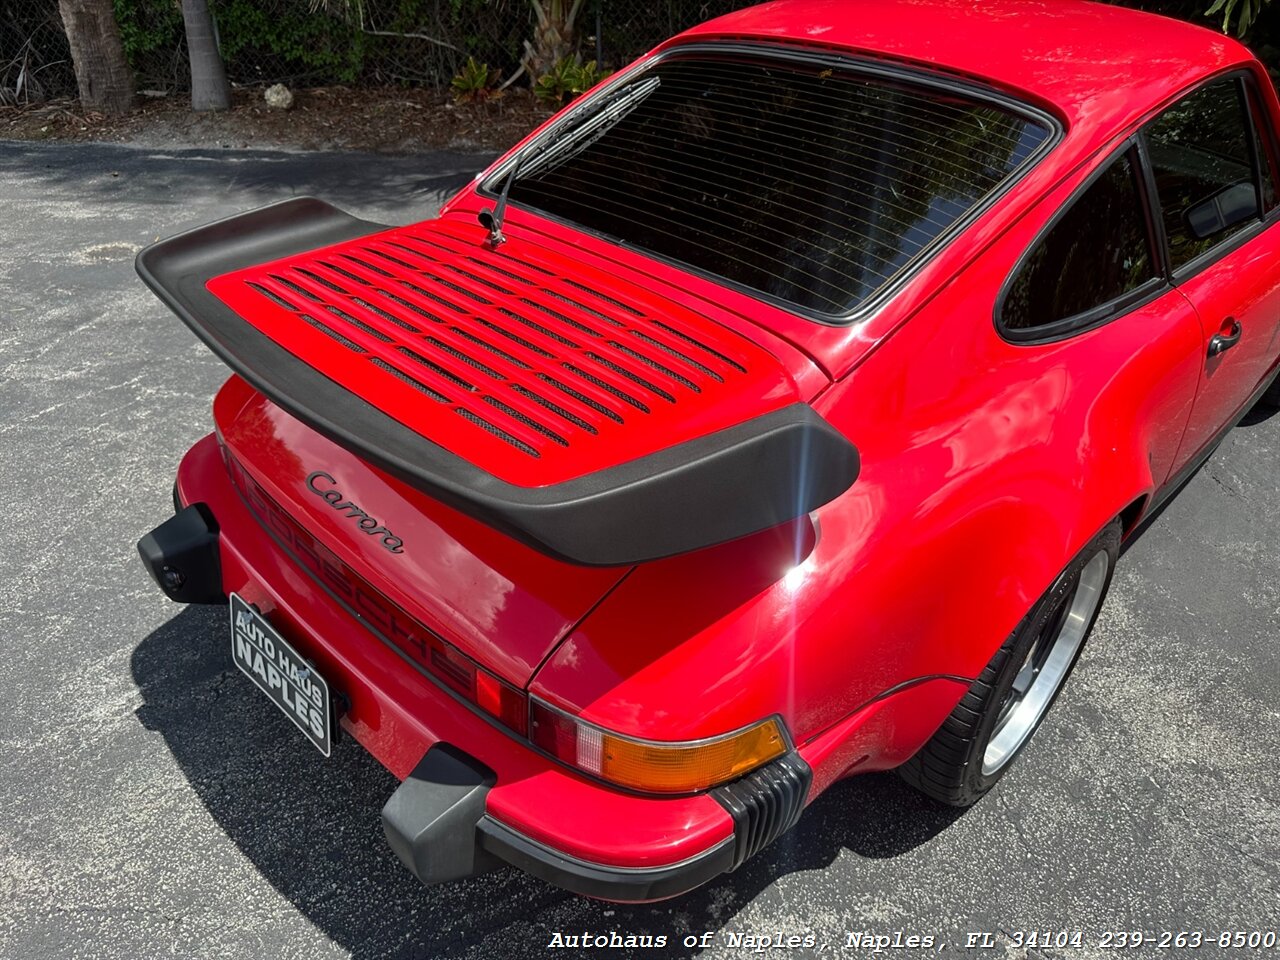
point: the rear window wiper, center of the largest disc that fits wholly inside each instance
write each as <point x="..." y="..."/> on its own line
<point x="594" y="117"/>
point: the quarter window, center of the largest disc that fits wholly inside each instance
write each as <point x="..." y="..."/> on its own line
<point x="1096" y="252"/>
<point x="1203" y="164"/>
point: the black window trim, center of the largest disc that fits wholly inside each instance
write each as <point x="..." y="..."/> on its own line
<point x="1151" y="207"/>
<point x="1108" y="310"/>
<point x="1255" y="106"/>
<point x="1251" y="137"/>
<point x="1265" y="135"/>
<point x="852" y="63"/>
<point x="1247" y="90"/>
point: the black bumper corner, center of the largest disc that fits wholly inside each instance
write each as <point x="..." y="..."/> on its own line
<point x="182" y="556"/>
<point x="437" y="825"/>
<point x="430" y="821"/>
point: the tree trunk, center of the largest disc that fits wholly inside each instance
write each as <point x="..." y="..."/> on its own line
<point x="102" y="75"/>
<point x="554" y="34"/>
<point x="209" y="90"/>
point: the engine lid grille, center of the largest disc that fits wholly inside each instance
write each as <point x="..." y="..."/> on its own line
<point x="534" y="369"/>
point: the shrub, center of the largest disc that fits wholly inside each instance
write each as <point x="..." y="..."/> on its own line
<point x="568" y="77"/>
<point x="475" y="82"/>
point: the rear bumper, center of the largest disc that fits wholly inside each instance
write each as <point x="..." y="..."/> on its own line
<point x="437" y="825"/>
<point x="182" y="555"/>
<point x="515" y="805"/>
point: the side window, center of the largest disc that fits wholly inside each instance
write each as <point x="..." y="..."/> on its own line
<point x="1202" y="159"/>
<point x="1097" y="251"/>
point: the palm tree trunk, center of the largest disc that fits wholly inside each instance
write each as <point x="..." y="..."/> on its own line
<point x="554" y="34"/>
<point x="103" y="76"/>
<point x="209" y="90"/>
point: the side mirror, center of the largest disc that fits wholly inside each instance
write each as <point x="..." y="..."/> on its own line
<point x="1230" y="205"/>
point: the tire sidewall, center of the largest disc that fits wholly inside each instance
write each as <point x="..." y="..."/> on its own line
<point x="1009" y="659"/>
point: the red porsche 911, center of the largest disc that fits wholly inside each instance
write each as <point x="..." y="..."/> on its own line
<point x="772" y="414"/>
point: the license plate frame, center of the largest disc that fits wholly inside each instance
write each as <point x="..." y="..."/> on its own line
<point x="288" y="679"/>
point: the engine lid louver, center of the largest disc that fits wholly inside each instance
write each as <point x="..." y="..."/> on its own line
<point x="533" y="376"/>
<point x="583" y="414"/>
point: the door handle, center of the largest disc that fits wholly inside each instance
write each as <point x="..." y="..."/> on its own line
<point x="1221" y="342"/>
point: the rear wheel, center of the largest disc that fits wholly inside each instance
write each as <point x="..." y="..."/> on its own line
<point x="1005" y="705"/>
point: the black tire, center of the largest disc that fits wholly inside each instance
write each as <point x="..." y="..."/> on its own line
<point x="960" y="763"/>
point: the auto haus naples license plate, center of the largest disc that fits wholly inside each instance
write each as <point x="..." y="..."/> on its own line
<point x="281" y="673"/>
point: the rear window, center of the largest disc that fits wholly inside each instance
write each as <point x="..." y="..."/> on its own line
<point x="812" y="185"/>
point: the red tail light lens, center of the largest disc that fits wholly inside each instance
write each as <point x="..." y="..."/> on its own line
<point x="497" y="698"/>
<point x="502" y="701"/>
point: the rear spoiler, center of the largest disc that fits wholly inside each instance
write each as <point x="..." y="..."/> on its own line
<point x="719" y="487"/>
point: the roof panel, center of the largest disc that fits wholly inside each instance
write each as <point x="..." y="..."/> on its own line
<point x="1088" y="61"/>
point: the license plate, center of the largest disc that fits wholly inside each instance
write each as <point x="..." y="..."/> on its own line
<point x="281" y="673"/>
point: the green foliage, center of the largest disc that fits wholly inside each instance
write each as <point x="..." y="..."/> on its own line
<point x="568" y="77"/>
<point x="553" y="85"/>
<point x="150" y="30"/>
<point x="475" y="82"/>
<point x="298" y="40"/>
<point x="1244" y="11"/>
<point x="326" y="41"/>
<point x="589" y="75"/>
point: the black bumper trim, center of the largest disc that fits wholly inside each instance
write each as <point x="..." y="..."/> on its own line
<point x="436" y="823"/>
<point x="765" y="804"/>
<point x="430" y="820"/>
<point x="604" y="882"/>
<point x="758" y="474"/>
<point x="183" y="556"/>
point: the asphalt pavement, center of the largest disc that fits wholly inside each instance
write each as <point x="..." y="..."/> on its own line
<point x="153" y="805"/>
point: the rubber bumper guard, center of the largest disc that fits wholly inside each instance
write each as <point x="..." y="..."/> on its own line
<point x="182" y="556"/>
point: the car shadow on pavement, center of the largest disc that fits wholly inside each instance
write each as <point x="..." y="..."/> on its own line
<point x="1257" y="415"/>
<point x="311" y="827"/>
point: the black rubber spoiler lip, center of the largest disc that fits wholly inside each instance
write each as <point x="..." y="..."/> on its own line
<point x="760" y="473"/>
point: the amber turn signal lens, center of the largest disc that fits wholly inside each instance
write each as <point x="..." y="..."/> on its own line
<point x="651" y="766"/>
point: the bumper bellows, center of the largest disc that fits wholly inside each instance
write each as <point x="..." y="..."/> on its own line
<point x="182" y="556"/>
<point x="765" y="804"/>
